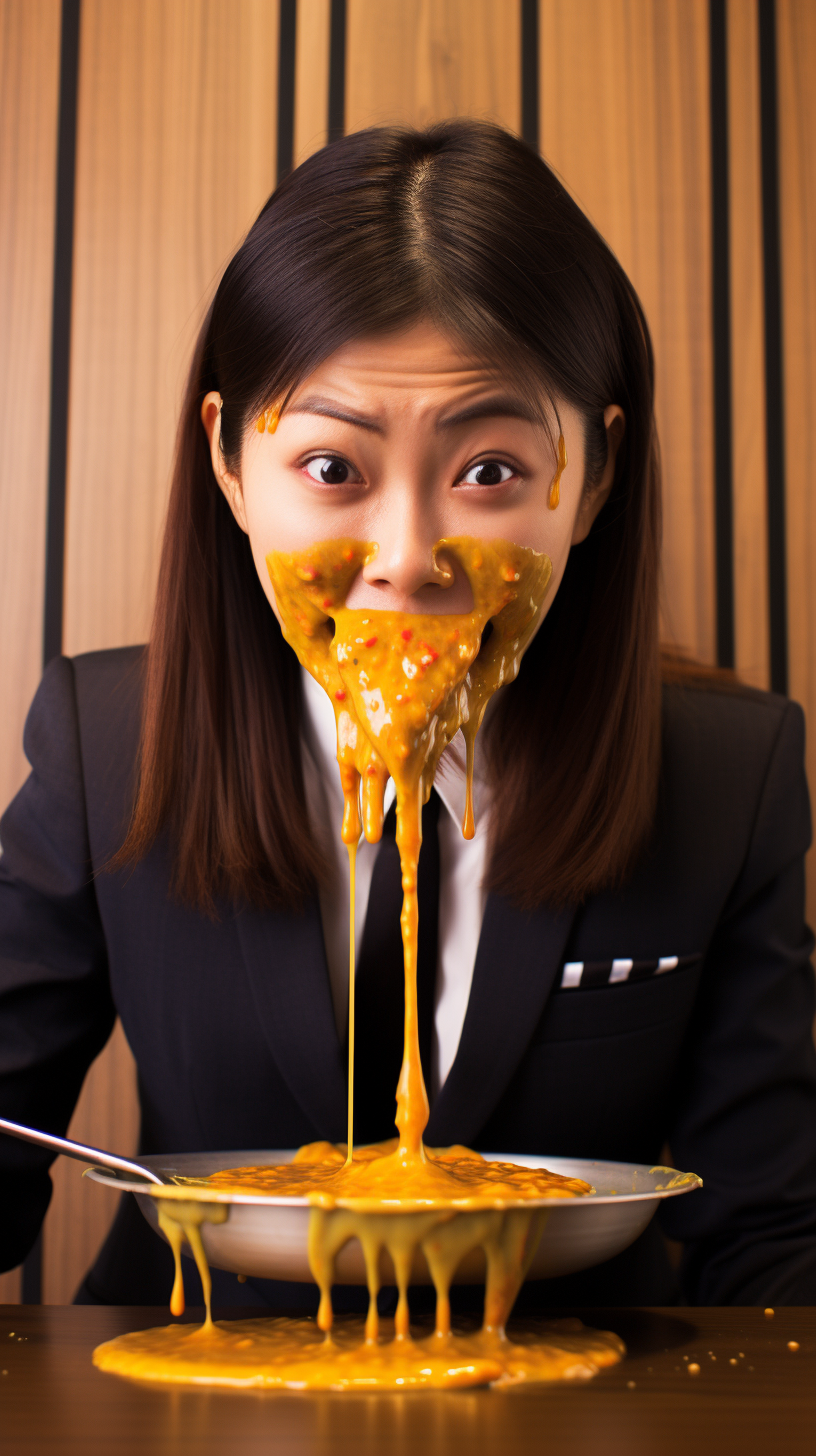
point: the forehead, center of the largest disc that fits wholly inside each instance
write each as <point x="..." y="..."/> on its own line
<point x="419" y="363"/>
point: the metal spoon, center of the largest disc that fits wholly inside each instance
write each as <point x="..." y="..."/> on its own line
<point x="81" y="1151"/>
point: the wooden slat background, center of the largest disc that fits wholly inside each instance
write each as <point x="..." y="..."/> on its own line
<point x="29" y="73"/>
<point x="624" y="121"/>
<point x="797" y="150"/>
<point x="311" y="78"/>
<point x="747" y="349"/>
<point x="419" y="61"/>
<point x="175" y="155"/>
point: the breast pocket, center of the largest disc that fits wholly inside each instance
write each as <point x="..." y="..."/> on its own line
<point x="599" y="1070"/>
<point x="612" y="997"/>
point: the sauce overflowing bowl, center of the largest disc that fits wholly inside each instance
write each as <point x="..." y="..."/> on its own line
<point x="265" y="1235"/>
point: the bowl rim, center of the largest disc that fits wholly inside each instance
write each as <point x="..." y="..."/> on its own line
<point x="673" y="1182"/>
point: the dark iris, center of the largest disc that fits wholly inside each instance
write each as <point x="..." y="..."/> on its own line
<point x="489" y="473"/>
<point x="334" y="472"/>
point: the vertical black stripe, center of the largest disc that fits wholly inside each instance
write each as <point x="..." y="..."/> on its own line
<point x="337" y="70"/>
<point x="773" y="300"/>
<point x="721" y="328"/>
<point x="31" y="1291"/>
<point x="774" y="403"/>
<point x="286" y="87"/>
<point x="61" y="330"/>
<point x="529" y="73"/>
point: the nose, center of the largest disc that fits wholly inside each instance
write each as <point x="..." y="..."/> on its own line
<point x="408" y="574"/>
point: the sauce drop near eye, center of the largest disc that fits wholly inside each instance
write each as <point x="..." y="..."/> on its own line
<point x="398" y="1197"/>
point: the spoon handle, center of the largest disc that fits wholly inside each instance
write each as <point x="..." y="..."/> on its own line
<point x="80" y="1151"/>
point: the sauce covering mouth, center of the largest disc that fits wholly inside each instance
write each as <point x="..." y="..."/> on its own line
<point x="402" y="686"/>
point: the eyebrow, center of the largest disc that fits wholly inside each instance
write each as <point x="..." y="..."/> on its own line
<point x="315" y="404"/>
<point x="508" y="406"/>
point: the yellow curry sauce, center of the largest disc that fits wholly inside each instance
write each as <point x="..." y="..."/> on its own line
<point x="402" y="685"/>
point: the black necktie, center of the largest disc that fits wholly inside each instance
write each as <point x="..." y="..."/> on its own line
<point x="380" y="979"/>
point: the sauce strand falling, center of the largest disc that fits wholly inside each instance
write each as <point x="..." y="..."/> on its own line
<point x="352" y="854"/>
<point x="555" y="488"/>
<point x="402" y="685"/>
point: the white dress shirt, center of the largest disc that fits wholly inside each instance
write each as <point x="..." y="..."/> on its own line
<point x="461" y="862"/>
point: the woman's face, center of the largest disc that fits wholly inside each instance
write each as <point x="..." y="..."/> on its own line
<point x="403" y="440"/>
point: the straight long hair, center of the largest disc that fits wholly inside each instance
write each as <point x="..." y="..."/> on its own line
<point x="463" y="225"/>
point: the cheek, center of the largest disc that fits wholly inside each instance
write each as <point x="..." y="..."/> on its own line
<point x="558" y="533"/>
<point x="264" y="532"/>
<point x="259" y="557"/>
<point x="556" y="541"/>
<point x="542" y="529"/>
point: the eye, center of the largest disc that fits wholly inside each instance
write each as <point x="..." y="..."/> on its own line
<point x="488" y="472"/>
<point x="331" y="470"/>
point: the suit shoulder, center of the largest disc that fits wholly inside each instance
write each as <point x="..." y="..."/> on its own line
<point x="736" y="756"/>
<point x="733" y="804"/>
<point x="722" y="719"/>
<point x="108" y="696"/>
<point x="107" y="671"/>
<point x="109" y="699"/>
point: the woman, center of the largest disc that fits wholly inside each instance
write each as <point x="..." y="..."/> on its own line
<point x="618" y="960"/>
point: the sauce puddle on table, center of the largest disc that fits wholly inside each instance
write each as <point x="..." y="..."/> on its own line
<point x="293" y="1354"/>
<point x="402" y="686"/>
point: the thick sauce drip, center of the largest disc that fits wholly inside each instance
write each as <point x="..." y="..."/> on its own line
<point x="352" y="854"/>
<point x="402" y="685"/>
<point x="182" y="1220"/>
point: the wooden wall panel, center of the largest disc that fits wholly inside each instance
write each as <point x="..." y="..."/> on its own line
<point x="419" y="61"/>
<point x="29" y="84"/>
<point x="175" y="156"/>
<point x="624" y="121"/>
<point x="748" y="346"/>
<point x="81" y="1212"/>
<point x="311" y="77"/>
<point x="797" y="149"/>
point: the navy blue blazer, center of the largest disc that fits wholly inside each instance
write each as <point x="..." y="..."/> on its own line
<point x="677" y="1009"/>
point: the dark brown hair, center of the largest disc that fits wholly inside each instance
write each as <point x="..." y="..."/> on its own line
<point x="464" y="225"/>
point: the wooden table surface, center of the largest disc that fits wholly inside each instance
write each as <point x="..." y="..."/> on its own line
<point x="53" y="1399"/>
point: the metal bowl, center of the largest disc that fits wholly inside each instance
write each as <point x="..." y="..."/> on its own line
<point x="265" y="1237"/>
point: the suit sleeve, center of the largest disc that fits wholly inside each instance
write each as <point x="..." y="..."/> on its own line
<point x="745" y="1112"/>
<point x="56" y="1011"/>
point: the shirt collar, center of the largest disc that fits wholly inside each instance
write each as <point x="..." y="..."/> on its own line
<point x="320" y="737"/>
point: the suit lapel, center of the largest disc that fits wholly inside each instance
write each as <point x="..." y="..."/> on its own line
<point x="517" y="961"/>
<point x="286" y="963"/>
